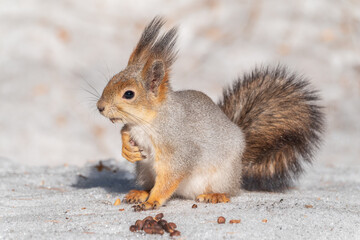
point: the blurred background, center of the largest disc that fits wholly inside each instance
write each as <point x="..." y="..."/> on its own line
<point x="54" y="55"/>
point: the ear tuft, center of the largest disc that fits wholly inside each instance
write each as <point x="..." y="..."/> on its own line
<point x="147" y="40"/>
<point x="152" y="45"/>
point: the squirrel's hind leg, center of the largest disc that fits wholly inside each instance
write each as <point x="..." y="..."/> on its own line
<point x="213" y="198"/>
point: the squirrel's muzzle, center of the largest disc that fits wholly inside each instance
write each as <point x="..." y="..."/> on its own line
<point x="100" y="106"/>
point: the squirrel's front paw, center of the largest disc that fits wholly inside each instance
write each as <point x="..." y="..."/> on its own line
<point x="136" y="196"/>
<point x="130" y="151"/>
<point x="146" y="206"/>
<point x="132" y="154"/>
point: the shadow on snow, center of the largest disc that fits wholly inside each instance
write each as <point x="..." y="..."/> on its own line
<point x="107" y="174"/>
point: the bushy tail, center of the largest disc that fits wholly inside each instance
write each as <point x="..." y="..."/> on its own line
<point x="282" y="123"/>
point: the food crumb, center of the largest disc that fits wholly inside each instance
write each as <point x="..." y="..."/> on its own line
<point x="308" y="206"/>
<point x="264" y="220"/>
<point x="221" y="220"/>
<point x="117" y="202"/>
<point x="235" y="221"/>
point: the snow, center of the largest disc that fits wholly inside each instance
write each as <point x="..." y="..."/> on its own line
<point x="77" y="202"/>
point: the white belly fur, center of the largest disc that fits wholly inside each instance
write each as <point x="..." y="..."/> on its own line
<point x="212" y="179"/>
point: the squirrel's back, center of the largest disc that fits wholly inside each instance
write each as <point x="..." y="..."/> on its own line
<point x="282" y="123"/>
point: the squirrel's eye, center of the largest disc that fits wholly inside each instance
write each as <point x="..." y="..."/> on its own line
<point x="129" y="94"/>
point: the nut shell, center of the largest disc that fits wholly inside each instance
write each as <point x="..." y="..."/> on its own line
<point x="159" y="216"/>
<point x="139" y="224"/>
<point x="175" y="233"/>
<point x="172" y="225"/>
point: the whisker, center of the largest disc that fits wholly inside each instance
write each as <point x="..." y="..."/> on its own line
<point x="145" y="128"/>
<point x="143" y="124"/>
<point x="106" y="79"/>
<point x="97" y="94"/>
<point x="88" y="91"/>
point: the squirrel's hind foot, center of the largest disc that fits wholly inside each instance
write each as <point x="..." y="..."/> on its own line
<point x="213" y="198"/>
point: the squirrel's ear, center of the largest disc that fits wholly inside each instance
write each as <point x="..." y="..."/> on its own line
<point x="154" y="75"/>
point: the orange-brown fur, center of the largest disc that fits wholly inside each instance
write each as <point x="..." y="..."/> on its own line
<point x="213" y="198"/>
<point x="130" y="152"/>
<point x="136" y="196"/>
<point x="166" y="180"/>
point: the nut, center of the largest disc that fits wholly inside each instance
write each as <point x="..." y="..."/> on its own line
<point x="139" y="224"/>
<point x="149" y="230"/>
<point x="154" y="231"/>
<point x="133" y="228"/>
<point x="159" y="216"/>
<point x="159" y="231"/>
<point x="194" y="206"/>
<point x="168" y="229"/>
<point x="147" y="224"/>
<point x="148" y="218"/>
<point x="157" y="226"/>
<point x="175" y="233"/>
<point x="172" y="225"/>
<point x="162" y="223"/>
<point x="235" y="221"/>
<point x="221" y="220"/>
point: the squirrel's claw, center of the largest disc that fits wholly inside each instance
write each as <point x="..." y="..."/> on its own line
<point x="132" y="155"/>
<point x="146" y="206"/>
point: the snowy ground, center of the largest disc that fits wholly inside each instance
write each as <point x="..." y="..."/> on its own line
<point x="75" y="203"/>
<point x="51" y="50"/>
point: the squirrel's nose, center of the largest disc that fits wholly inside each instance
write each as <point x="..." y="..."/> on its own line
<point x="101" y="106"/>
<point x="101" y="109"/>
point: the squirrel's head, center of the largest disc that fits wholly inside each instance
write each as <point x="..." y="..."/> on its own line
<point x="134" y="94"/>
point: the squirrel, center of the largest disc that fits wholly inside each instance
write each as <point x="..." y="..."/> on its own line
<point x="258" y="137"/>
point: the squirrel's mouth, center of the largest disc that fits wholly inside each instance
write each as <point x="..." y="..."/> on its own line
<point x="115" y="120"/>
